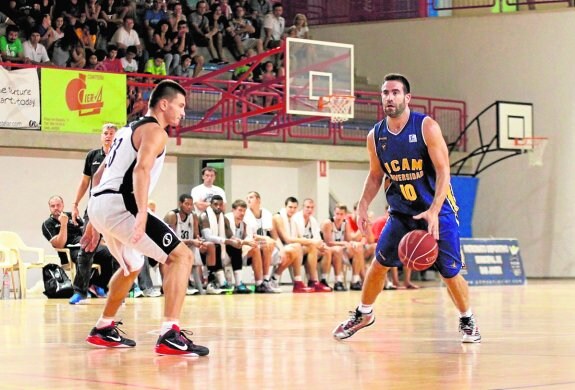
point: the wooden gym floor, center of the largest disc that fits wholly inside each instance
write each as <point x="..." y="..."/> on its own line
<point x="284" y="342"/>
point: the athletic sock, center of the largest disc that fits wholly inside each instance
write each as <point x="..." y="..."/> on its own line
<point x="104" y="322"/>
<point x="365" y="309"/>
<point x="339" y="278"/>
<point x="467" y="313"/>
<point x="297" y="279"/>
<point x="221" y="277"/>
<point x="238" y="277"/>
<point x="324" y="276"/>
<point x="167" y="326"/>
<point x="355" y="279"/>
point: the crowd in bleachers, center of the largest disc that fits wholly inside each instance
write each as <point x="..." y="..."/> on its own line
<point x="160" y="37"/>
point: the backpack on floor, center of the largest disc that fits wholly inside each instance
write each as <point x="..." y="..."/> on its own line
<point x="56" y="283"/>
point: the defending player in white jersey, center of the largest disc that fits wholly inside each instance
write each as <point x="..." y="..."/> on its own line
<point x="118" y="209"/>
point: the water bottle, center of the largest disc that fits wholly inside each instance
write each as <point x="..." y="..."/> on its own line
<point x="5" y="286"/>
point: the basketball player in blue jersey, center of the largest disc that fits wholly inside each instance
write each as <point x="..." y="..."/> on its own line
<point x="118" y="209"/>
<point x="408" y="148"/>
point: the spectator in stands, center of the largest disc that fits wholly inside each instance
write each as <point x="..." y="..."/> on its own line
<point x="61" y="50"/>
<point x="201" y="32"/>
<point x="239" y="71"/>
<point x="129" y="63"/>
<point x="185" y="47"/>
<point x="71" y="10"/>
<point x="220" y="26"/>
<point x="309" y="236"/>
<point x="179" y="13"/>
<point x="47" y="36"/>
<point x="185" y="69"/>
<point x="156" y="65"/>
<point x="4" y="21"/>
<point x="62" y="231"/>
<point x="88" y="34"/>
<point x="337" y="234"/>
<point x="10" y="45"/>
<point x="258" y="10"/>
<point x="248" y="250"/>
<point x="93" y="11"/>
<point x="112" y="63"/>
<point x="300" y="28"/>
<point x="286" y="230"/>
<point x="154" y="16"/>
<point x="58" y="28"/>
<point x="216" y="228"/>
<point x="114" y="11"/>
<point x="204" y="192"/>
<point x="126" y="36"/>
<point x="34" y="52"/>
<point x="239" y="35"/>
<point x="368" y="241"/>
<point x="274" y="25"/>
<point x="94" y="59"/>
<point x="164" y="40"/>
<point x="78" y="56"/>
<point x="261" y="223"/>
<point x="266" y="73"/>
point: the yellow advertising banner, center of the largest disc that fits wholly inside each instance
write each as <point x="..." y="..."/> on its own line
<point x="80" y="101"/>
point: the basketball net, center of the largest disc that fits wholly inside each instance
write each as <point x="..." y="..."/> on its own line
<point x="535" y="148"/>
<point x="338" y="105"/>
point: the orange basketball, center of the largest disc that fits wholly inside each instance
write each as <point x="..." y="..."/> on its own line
<point x="418" y="250"/>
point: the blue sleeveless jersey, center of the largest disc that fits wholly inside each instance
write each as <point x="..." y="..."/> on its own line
<point x="405" y="160"/>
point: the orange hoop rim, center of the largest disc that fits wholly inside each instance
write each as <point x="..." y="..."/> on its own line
<point x="325" y="101"/>
<point x="530" y="141"/>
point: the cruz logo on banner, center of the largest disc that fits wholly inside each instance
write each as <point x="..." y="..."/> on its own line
<point x="78" y="98"/>
<point x="79" y="101"/>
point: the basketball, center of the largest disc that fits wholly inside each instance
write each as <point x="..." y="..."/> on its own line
<point x="418" y="250"/>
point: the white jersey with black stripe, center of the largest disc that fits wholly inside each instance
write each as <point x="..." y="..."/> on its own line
<point x="121" y="160"/>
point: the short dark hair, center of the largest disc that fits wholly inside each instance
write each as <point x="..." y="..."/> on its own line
<point x="276" y="5"/>
<point x="183" y="197"/>
<point x="341" y="207"/>
<point x="398" y="77"/>
<point x="208" y="169"/>
<point x="113" y="47"/>
<point x="132" y="49"/>
<point x="216" y="197"/>
<point x="239" y="203"/>
<point x="166" y="89"/>
<point x="290" y="199"/>
<point x="12" y="28"/>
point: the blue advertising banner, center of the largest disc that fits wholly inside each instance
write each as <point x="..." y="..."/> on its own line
<point x="492" y="261"/>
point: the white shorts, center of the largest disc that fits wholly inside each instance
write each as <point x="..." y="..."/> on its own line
<point x="109" y="215"/>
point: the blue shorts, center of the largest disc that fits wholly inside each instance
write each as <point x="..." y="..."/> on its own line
<point x="449" y="260"/>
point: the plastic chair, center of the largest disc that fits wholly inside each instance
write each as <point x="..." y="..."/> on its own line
<point x="7" y="262"/>
<point x="14" y="243"/>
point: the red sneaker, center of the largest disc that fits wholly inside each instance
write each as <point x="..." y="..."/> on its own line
<point x="319" y="287"/>
<point x="299" y="287"/>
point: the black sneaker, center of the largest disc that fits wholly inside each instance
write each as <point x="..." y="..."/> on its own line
<point x="469" y="330"/>
<point x="109" y="337"/>
<point x="355" y="286"/>
<point x="175" y="342"/>
<point x="338" y="286"/>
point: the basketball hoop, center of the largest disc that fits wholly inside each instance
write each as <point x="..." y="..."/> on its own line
<point x="535" y="148"/>
<point x="338" y="105"/>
